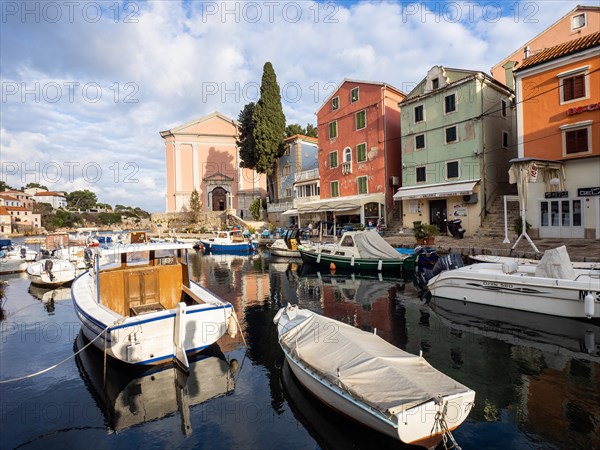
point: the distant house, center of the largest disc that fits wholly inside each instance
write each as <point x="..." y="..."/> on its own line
<point x="23" y="219"/>
<point x="295" y="179"/>
<point x="579" y="22"/>
<point x="559" y="136"/>
<point x="9" y="200"/>
<point x="203" y="155"/>
<point x="359" y="153"/>
<point x="5" y="221"/>
<point x="56" y="199"/>
<point x="24" y="199"/>
<point x="458" y="135"/>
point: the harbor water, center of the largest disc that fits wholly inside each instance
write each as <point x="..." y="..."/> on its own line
<point x="536" y="377"/>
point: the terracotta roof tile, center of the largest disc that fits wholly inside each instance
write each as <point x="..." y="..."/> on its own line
<point x="564" y="49"/>
<point x="17" y="208"/>
<point x="9" y="197"/>
<point x="48" y="194"/>
<point x="4" y="211"/>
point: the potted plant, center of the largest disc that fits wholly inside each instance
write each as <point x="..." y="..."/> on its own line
<point x="419" y="232"/>
<point x="430" y="231"/>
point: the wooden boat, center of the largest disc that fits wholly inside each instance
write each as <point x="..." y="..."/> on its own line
<point x="551" y="287"/>
<point x="51" y="272"/>
<point x="359" y="250"/>
<point x="371" y="381"/>
<point x="129" y="397"/>
<point x="143" y="308"/>
<point x="228" y="242"/>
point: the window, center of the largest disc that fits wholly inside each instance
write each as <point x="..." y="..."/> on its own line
<point x="578" y="21"/>
<point x="420" y="174"/>
<point x="288" y="192"/>
<point x="362" y="185"/>
<point x="287" y="170"/>
<point x="361" y="119"/>
<point x="435" y="83"/>
<point x="419" y="114"/>
<point x="505" y="141"/>
<point x="347" y="154"/>
<point x="335" y="188"/>
<point x="577" y="138"/>
<point x="333" y="159"/>
<point x="420" y="141"/>
<point x="451" y="170"/>
<point x="354" y="95"/>
<point x="335" y="103"/>
<point x="573" y="87"/>
<point x="361" y="152"/>
<point x="576" y="141"/>
<point x="503" y="107"/>
<point x="451" y="135"/>
<point x="450" y="103"/>
<point x="287" y="150"/>
<point x="333" y="129"/>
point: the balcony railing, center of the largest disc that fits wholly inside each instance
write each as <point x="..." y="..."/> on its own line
<point x="301" y="200"/>
<point x="279" y="207"/>
<point x="347" y="167"/>
<point x="307" y="175"/>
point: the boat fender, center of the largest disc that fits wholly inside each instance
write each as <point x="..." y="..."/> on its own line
<point x="231" y="326"/>
<point x="589" y="305"/>
<point x="590" y="341"/>
<point x="332" y="266"/>
<point x="278" y="316"/>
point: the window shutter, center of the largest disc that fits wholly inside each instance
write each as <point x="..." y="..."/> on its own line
<point x="578" y="86"/>
<point x="581" y="140"/>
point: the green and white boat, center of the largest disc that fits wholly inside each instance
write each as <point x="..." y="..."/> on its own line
<point x="356" y="250"/>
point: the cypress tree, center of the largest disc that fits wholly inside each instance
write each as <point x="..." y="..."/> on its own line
<point x="269" y="123"/>
<point x="245" y="141"/>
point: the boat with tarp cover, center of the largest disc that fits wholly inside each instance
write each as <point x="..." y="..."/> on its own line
<point x="359" y="250"/>
<point x="370" y="380"/>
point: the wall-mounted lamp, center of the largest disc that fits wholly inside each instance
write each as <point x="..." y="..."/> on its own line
<point x="554" y="182"/>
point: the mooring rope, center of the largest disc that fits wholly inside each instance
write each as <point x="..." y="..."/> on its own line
<point x="54" y="366"/>
<point x="440" y="418"/>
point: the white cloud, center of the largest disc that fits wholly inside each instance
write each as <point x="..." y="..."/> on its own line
<point x="176" y="64"/>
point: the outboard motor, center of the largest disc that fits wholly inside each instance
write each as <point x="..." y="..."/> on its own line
<point x="455" y="228"/>
<point x="88" y="257"/>
<point x="23" y="252"/>
<point x="447" y="262"/>
<point x="48" y="268"/>
<point x="45" y="254"/>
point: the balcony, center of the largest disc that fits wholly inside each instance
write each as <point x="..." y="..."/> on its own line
<point x="346" y="167"/>
<point x="279" y="207"/>
<point x="301" y="200"/>
<point x="307" y="175"/>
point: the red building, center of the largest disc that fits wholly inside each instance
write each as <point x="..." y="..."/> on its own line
<point x="359" y="152"/>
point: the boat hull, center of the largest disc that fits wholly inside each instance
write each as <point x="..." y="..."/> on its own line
<point x="486" y="284"/>
<point x="62" y="271"/>
<point x="314" y="257"/>
<point x="149" y="338"/>
<point x="238" y="249"/>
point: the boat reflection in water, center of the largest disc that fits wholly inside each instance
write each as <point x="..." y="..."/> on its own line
<point x="567" y="337"/>
<point x="330" y="429"/>
<point x="131" y="396"/>
<point x="48" y="295"/>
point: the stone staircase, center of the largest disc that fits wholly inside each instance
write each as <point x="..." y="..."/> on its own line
<point x="493" y="223"/>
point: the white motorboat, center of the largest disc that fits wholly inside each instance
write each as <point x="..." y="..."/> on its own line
<point x="143" y="308"/>
<point x="51" y="272"/>
<point x="370" y="380"/>
<point x="85" y="236"/>
<point x="14" y="258"/>
<point x="287" y="245"/>
<point x="529" y="261"/>
<point x="229" y="242"/>
<point x="552" y="286"/>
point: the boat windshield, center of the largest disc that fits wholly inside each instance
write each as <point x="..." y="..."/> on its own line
<point x="347" y="242"/>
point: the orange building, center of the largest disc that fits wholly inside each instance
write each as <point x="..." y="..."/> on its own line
<point x="579" y="22"/>
<point x="359" y="152"/>
<point x="558" y="111"/>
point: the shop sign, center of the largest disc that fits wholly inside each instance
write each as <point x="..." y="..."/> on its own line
<point x="588" y="192"/>
<point x="580" y="109"/>
<point x="557" y="194"/>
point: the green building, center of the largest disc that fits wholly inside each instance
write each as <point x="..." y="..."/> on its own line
<point x="458" y="131"/>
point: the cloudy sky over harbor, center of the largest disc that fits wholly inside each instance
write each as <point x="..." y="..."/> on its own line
<point x="87" y="86"/>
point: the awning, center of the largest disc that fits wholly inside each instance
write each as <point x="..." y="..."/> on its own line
<point x="436" y="190"/>
<point x="290" y="212"/>
<point x="339" y="204"/>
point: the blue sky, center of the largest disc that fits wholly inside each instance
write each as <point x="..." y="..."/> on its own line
<point x="87" y="86"/>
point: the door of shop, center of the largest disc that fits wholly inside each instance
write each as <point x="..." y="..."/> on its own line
<point x="561" y="218"/>
<point x="438" y="211"/>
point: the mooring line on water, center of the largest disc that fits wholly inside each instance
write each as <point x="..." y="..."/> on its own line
<point x="47" y="369"/>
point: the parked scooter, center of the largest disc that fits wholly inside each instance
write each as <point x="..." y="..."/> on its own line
<point x="455" y="228"/>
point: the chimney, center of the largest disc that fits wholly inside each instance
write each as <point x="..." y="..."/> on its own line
<point x="509" y="78"/>
<point x="526" y="51"/>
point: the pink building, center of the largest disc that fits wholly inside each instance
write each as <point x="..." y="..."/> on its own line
<point x="203" y="155"/>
